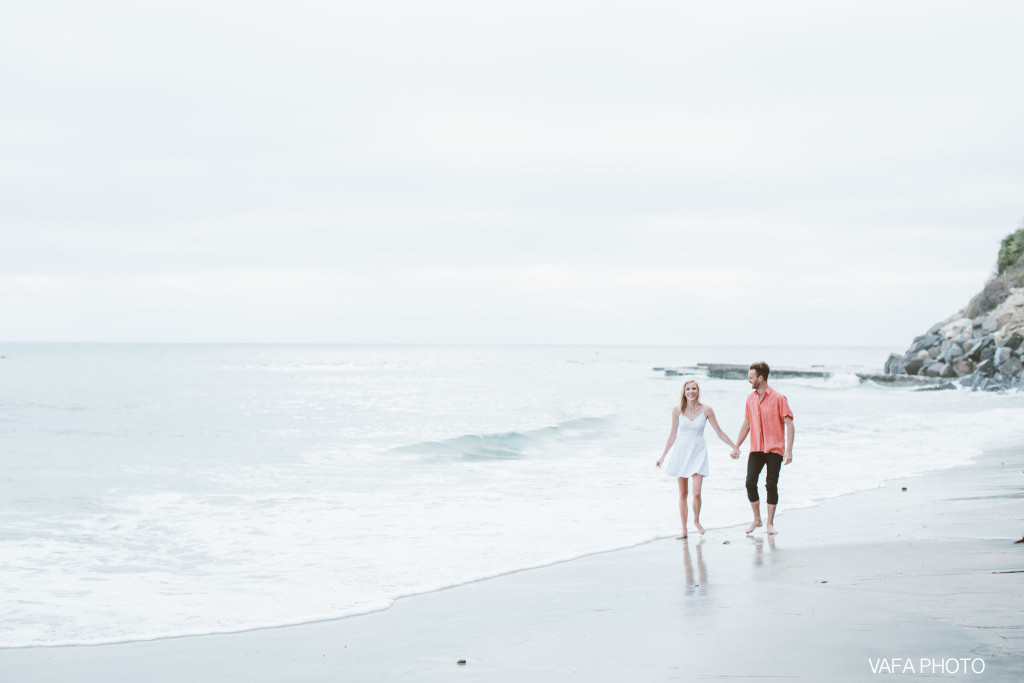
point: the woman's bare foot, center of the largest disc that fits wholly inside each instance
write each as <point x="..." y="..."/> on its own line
<point x="771" y="530"/>
<point x="753" y="525"/>
<point x="679" y="538"/>
<point x="699" y="527"/>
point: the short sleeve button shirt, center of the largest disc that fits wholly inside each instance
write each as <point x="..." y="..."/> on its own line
<point x="765" y="416"/>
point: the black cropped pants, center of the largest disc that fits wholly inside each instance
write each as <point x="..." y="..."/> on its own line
<point x="755" y="463"/>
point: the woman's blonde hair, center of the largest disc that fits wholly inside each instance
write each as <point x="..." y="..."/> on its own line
<point x="682" y="401"/>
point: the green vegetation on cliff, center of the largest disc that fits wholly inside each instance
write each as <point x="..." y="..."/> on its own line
<point x="1010" y="275"/>
<point x="1011" y="249"/>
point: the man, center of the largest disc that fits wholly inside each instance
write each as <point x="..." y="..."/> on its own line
<point x="767" y="417"/>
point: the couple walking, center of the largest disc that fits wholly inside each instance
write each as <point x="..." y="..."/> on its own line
<point x="769" y="422"/>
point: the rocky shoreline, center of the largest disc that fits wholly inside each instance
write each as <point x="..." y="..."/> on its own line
<point x="731" y="371"/>
<point x="982" y="345"/>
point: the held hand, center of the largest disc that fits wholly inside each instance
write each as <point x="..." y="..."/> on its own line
<point x="658" y="464"/>
<point x="735" y="453"/>
<point x="789" y="458"/>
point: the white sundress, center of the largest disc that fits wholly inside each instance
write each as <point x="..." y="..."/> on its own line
<point x="689" y="452"/>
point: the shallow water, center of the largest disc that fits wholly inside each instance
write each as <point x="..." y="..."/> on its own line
<point x="155" y="490"/>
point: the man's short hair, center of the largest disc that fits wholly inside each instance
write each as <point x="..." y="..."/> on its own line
<point x="761" y="368"/>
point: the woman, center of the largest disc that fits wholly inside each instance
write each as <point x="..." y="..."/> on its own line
<point x="686" y="453"/>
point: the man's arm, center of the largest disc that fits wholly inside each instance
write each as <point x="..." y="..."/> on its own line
<point x="744" y="430"/>
<point x="790" y="435"/>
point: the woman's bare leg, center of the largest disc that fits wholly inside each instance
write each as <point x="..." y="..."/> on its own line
<point x="683" y="490"/>
<point x="697" y="481"/>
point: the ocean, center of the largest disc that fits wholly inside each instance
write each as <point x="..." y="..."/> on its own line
<point x="163" y="490"/>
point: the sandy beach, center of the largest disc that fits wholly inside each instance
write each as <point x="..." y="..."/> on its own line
<point x="340" y="341"/>
<point x="853" y="588"/>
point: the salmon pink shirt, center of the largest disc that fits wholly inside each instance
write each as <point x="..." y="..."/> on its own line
<point x="765" y="415"/>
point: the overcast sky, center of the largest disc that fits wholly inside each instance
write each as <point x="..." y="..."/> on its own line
<point x="504" y="172"/>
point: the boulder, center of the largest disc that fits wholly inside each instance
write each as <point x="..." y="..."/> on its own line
<point x="914" y="366"/>
<point x="961" y="327"/>
<point x="945" y="386"/>
<point x="987" y="353"/>
<point x="962" y="366"/>
<point x="892" y="364"/>
<point x="934" y="369"/>
<point x="1001" y="355"/>
<point x="990" y="384"/>
<point x="923" y="355"/>
<point x="1010" y="368"/>
<point x="934" y="352"/>
<point x="976" y="349"/>
<point x="962" y="340"/>
<point x="948" y="371"/>
<point x="951" y="351"/>
<point x="990" y="324"/>
<point x="985" y="368"/>
<point x="926" y="341"/>
<point x="1013" y="341"/>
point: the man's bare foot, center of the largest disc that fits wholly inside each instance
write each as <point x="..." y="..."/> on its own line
<point x="699" y="528"/>
<point x="753" y="525"/>
<point x="771" y="530"/>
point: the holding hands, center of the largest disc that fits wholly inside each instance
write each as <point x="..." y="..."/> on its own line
<point x="735" y="453"/>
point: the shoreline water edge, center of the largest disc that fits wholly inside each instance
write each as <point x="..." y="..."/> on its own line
<point x="206" y="493"/>
<point x="921" y="570"/>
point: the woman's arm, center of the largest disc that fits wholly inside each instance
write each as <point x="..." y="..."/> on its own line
<point x="671" y="436"/>
<point x="718" y="430"/>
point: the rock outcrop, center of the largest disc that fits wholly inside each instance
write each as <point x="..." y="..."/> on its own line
<point x="982" y="345"/>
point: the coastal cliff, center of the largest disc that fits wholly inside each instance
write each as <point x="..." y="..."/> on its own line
<point x="980" y="346"/>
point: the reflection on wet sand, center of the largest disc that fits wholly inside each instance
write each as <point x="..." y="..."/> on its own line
<point x="702" y="572"/>
<point x="695" y="568"/>
<point x="759" y="548"/>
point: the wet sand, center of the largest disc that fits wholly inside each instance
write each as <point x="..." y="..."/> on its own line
<point x="930" y="573"/>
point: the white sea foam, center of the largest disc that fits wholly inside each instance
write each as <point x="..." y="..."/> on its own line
<point x="842" y="380"/>
<point x="165" y="491"/>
